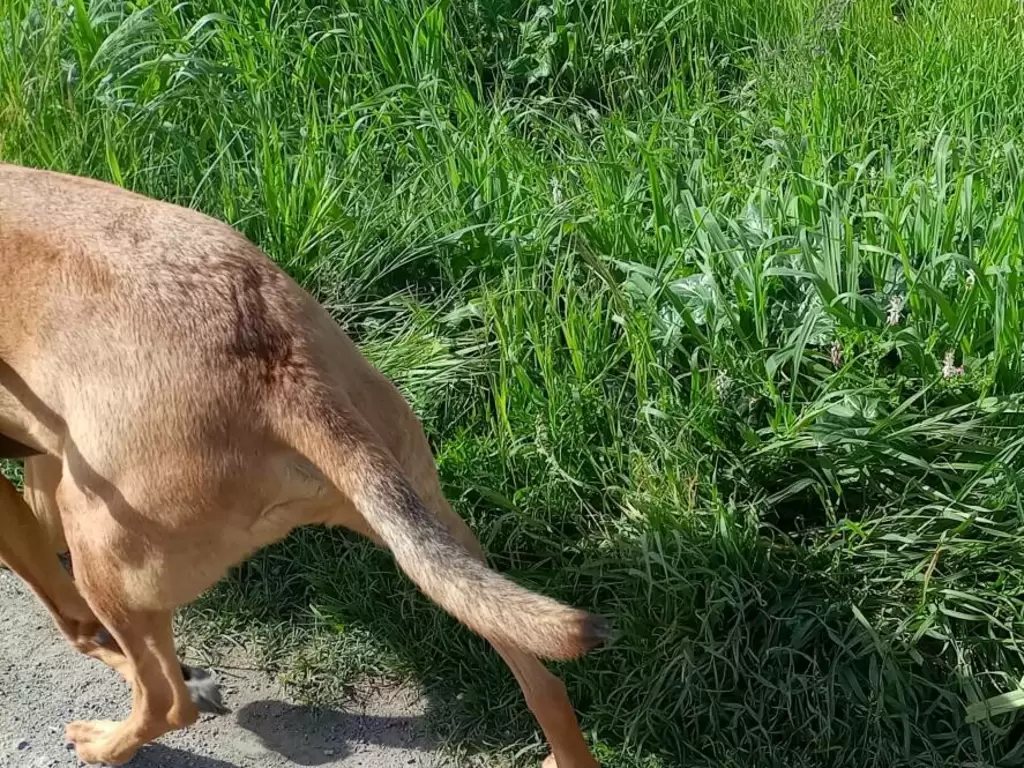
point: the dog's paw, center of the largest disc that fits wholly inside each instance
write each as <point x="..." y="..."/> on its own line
<point x="100" y="742"/>
<point x="204" y="690"/>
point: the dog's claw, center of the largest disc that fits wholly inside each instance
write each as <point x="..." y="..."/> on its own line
<point x="204" y="690"/>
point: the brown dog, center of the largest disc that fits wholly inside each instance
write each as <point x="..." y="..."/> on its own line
<point x="185" y="403"/>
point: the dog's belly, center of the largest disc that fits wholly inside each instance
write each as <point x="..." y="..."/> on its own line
<point x="21" y="433"/>
<point x="12" y="449"/>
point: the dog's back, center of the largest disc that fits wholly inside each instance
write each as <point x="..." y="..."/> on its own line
<point x="101" y="287"/>
<point x="64" y="239"/>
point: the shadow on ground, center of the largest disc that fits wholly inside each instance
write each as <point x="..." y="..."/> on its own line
<point x="160" y="756"/>
<point x="310" y="736"/>
<point x="290" y="734"/>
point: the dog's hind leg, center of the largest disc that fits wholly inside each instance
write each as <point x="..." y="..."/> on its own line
<point x="160" y="698"/>
<point x="115" y="567"/>
<point x="42" y="476"/>
<point x="31" y="535"/>
<point x="26" y="549"/>
<point x="549" y="702"/>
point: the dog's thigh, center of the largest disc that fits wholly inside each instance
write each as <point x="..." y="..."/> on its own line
<point x="42" y="476"/>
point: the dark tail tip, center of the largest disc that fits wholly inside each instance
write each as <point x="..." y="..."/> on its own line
<point x="595" y="631"/>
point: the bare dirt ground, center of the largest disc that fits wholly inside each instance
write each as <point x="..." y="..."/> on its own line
<point x="44" y="684"/>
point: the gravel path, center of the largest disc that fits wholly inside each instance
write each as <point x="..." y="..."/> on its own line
<point x="44" y="684"/>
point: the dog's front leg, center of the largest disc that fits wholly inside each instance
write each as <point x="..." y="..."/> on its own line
<point x="160" y="698"/>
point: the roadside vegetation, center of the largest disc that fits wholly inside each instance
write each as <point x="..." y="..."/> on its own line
<point x="712" y="310"/>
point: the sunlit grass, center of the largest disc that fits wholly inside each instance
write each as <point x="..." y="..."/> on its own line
<point x="712" y="311"/>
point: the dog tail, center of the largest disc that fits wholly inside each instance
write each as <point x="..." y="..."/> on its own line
<point x="348" y="453"/>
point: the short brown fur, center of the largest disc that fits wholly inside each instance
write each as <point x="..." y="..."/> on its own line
<point x="182" y="403"/>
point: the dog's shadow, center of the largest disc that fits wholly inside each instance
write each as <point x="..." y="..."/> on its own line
<point x="308" y="736"/>
<point x="301" y="735"/>
<point x="162" y="756"/>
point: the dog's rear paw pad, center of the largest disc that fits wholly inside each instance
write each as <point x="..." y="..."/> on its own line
<point x="204" y="690"/>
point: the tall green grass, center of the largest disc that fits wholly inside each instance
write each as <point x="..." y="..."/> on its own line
<point x="712" y="310"/>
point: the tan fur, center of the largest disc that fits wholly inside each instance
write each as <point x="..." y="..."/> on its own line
<point x="188" y="404"/>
